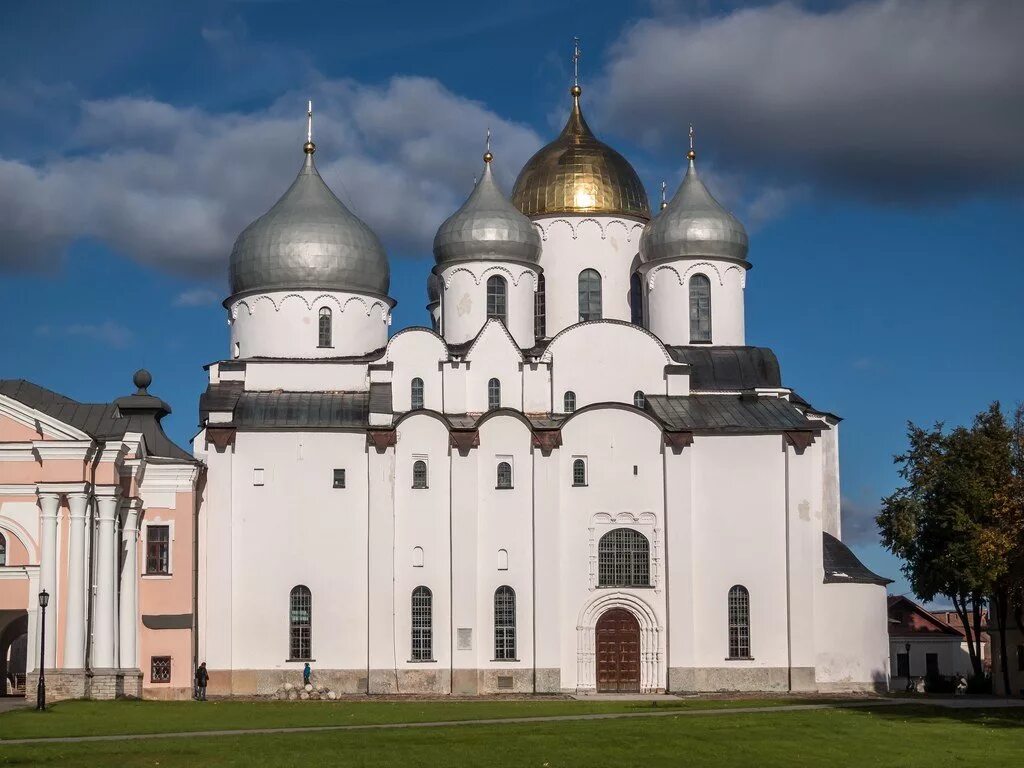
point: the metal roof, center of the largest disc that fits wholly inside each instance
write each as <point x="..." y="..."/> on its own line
<point x="842" y="566"/>
<point x="306" y="410"/>
<point x="729" y="368"/>
<point x="729" y="414"/>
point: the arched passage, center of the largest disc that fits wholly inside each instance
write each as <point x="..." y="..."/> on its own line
<point x="617" y="639"/>
<point x="651" y="653"/>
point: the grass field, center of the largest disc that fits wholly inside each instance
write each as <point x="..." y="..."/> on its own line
<point x="905" y="736"/>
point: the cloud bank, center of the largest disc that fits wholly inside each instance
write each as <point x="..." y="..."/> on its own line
<point x="898" y="100"/>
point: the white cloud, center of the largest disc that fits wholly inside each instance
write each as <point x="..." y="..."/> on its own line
<point x="108" y="333"/>
<point x="858" y="522"/>
<point x="173" y="186"/>
<point x="197" y="297"/>
<point x="896" y="99"/>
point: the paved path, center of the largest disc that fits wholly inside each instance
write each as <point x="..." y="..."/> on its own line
<point x="949" y="703"/>
<point x="7" y="703"/>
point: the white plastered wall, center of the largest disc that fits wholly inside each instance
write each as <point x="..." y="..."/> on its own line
<point x="464" y="299"/>
<point x="667" y="300"/>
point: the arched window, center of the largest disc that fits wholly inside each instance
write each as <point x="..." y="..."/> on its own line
<point x="422" y="624"/>
<point x="569" y="401"/>
<point x="504" y="624"/>
<point x="497" y="306"/>
<point x="493" y="394"/>
<point x="623" y="559"/>
<point x="416" y="394"/>
<point x="300" y="623"/>
<point x="540" y="309"/>
<point x="739" y="623"/>
<point x="325" y="326"/>
<point x="3" y="550"/>
<point x="700" y="309"/>
<point x="636" y="299"/>
<point x="638" y="399"/>
<point x="579" y="472"/>
<point x="504" y="474"/>
<point x="590" y="294"/>
<point x="419" y="474"/>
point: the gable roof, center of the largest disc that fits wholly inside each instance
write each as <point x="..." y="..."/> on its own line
<point x="903" y="603"/>
<point x="843" y="567"/>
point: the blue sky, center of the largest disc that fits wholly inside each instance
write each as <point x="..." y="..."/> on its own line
<point x="872" y="148"/>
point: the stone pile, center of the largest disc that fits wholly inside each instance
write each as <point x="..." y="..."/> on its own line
<point x="307" y="692"/>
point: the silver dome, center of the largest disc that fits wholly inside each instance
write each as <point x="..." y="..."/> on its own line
<point x="309" y="239"/>
<point x="693" y="224"/>
<point x="488" y="227"/>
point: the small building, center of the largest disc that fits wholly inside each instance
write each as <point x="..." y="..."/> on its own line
<point x="921" y="644"/>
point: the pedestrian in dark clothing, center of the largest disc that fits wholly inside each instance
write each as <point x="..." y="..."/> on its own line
<point x="306" y="672"/>
<point x="202" y="677"/>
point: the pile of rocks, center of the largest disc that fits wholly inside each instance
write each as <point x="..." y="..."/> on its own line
<point x="307" y="692"/>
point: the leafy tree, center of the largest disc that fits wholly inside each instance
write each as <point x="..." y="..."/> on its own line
<point x="951" y="521"/>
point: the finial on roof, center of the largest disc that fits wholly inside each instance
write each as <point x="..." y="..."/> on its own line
<point x="309" y="147"/>
<point x="142" y="379"/>
<point x="576" y="90"/>
<point x="487" y="154"/>
<point x="691" y="154"/>
<point x="664" y="202"/>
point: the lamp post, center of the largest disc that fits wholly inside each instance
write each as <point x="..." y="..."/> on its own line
<point x="44" y="599"/>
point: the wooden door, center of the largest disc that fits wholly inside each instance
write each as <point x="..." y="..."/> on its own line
<point x="618" y="652"/>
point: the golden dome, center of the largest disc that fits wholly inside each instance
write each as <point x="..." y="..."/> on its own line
<point x="576" y="173"/>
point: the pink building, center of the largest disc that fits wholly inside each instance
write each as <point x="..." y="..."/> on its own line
<point x="97" y="508"/>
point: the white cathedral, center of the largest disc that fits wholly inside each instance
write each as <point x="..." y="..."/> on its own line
<point x="579" y="479"/>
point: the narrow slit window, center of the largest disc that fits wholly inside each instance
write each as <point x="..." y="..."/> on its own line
<point x="739" y="623"/>
<point x="579" y="472"/>
<point x="416" y="394"/>
<point x="569" y="402"/>
<point x="590" y="295"/>
<point x="504" y="474"/>
<point x="497" y="299"/>
<point x="300" y="623"/>
<point x="422" y="624"/>
<point x="636" y="299"/>
<point x="419" y="474"/>
<point x="700" y="309"/>
<point x="493" y="394"/>
<point x="324" y="327"/>
<point x="540" y="309"/>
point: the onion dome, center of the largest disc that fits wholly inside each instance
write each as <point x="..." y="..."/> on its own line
<point x="577" y="173"/>
<point x="693" y="224"/>
<point x="487" y="227"/>
<point x="309" y="240"/>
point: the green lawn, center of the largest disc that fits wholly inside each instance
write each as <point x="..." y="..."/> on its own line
<point x="905" y="736"/>
<point x="94" y="718"/>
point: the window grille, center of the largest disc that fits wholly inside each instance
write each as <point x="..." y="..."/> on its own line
<point x="739" y="623"/>
<point x="636" y="300"/>
<point x="158" y="549"/>
<point x="160" y="669"/>
<point x="325" y="327"/>
<point x="540" y="309"/>
<point x="339" y="478"/>
<point x="504" y="474"/>
<point x="3" y="550"/>
<point x="638" y="399"/>
<point x="422" y="625"/>
<point x="493" y="394"/>
<point x="504" y="623"/>
<point x="300" y="623"/>
<point x="419" y="474"/>
<point x="700" y="308"/>
<point x="623" y="559"/>
<point x="590" y="294"/>
<point x="496" y="298"/>
<point x="416" y="393"/>
<point x="569" y="402"/>
<point x="579" y="472"/>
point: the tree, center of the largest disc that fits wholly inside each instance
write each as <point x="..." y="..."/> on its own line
<point x="950" y="522"/>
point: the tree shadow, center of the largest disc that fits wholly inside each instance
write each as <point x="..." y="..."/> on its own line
<point x="978" y="714"/>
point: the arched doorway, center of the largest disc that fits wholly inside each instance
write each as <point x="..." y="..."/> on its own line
<point x="617" y="638"/>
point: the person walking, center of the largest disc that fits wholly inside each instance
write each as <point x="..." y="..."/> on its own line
<point x="307" y="671"/>
<point x="202" y="677"/>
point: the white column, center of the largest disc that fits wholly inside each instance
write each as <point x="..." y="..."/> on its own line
<point x="128" y="619"/>
<point x="106" y="575"/>
<point x="49" y="503"/>
<point x="74" y="623"/>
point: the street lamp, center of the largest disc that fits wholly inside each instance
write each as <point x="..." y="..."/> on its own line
<point x="44" y="600"/>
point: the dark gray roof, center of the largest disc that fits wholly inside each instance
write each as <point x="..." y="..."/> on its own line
<point x="729" y="414"/>
<point x="729" y="368"/>
<point x="140" y="413"/>
<point x="293" y="410"/>
<point x="842" y="566"/>
<point x="380" y="397"/>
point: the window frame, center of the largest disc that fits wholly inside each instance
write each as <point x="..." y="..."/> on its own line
<point x="636" y="299"/>
<point x="164" y="678"/>
<point x="325" y="332"/>
<point x="739" y="635"/>
<point x="639" y="399"/>
<point x="629" y="553"/>
<point x="425" y="482"/>
<point x="497" y="300"/>
<point x="593" y="288"/>
<point x="421" y="648"/>
<point x="577" y="462"/>
<point x="416" y="397"/>
<point x="167" y="527"/>
<point x="540" y="309"/>
<point x="505" y="640"/>
<point x="296" y="637"/>
<point x="507" y="485"/>
<point x="493" y="394"/>
<point x="569" y="401"/>
<point x="335" y="477"/>
<point x="699" y="311"/>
